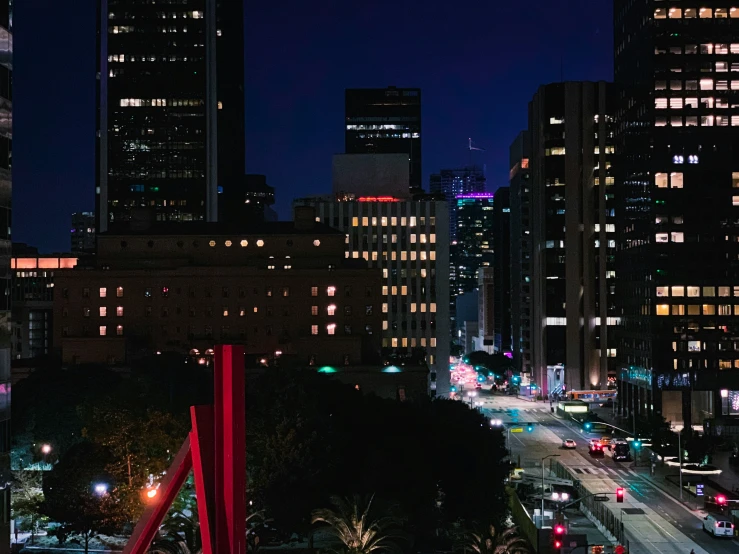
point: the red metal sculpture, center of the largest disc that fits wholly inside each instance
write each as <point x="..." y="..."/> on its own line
<point x="216" y="453"/>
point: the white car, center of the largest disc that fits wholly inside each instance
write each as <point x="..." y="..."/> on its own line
<point x="569" y="443"/>
<point x="718" y="526"/>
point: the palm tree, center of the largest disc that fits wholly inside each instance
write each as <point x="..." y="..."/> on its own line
<point x="352" y="524"/>
<point x="490" y="541"/>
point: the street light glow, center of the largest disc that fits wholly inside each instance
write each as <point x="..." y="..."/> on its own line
<point x="101" y="489"/>
<point x="46" y="448"/>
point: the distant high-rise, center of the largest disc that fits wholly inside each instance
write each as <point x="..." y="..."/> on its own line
<point x="571" y="223"/>
<point x="247" y="200"/>
<point x="454" y="182"/>
<point x="170" y="107"/>
<point x="83" y="232"/>
<point x="385" y="121"/>
<point x="502" y="269"/>
<point x="474" y="245"/>
<point x="677" y="183"/>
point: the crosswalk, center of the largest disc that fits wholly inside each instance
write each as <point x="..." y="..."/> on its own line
<point x="516" y="410"/>
<point x="601" y="471"/>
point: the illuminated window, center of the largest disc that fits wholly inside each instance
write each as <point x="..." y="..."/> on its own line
<point x="103" y="292"/>
<point x="676" y="180"/>
<point x="724" y="309"/>
<point x="316" y="242"/>
<point x="677" y="237"/>
<point x="394" y="342"/>
<point x="103" y="311"/>
<point x="103" y="330"/>
<point x="384" y="325"/>
<point x="331" y="309"/>
<point x="404" y="290"/>
<point x="662" y="237"/>
<point x="244" y="243"/>
<point x="660" y="103"/>
<point x="365" y="222"/>
<point x="706" y="84"/>
<point x="691" y="13"/>
<point x="355" y="222"/>
<point x="331" y="328"/>
<point x="735" y="200"/>
<point x="384" y="308"/>
<point x="119" y="311"/>
<point x="119" y="330"/>
<point x="314" y="329"/>
<point x="119" y="292"/>
<point x="225" y="311"/>
<point x="260" y="243"/>
<point x="709" y="309"/>
<point x="432" y="307"/>
<point x="413" y="221"/>
<point x="663" y="309"/>
<point x="242" y="312"/>
<point x="256" y="310"/>
<point x="705" y="13"/>
<point x="228" y="243"/>
<point x="724" y="291"/>
<point x="314" y="291"/>
<point x="694" y="346"/>
<point x="678" y="309"/>
<point x="722" y="13"/>
<point x="694" y="291"/>
<point x="663" y="291"/>
<point x="413" y="238"/>
<point x="660" y="13"/>
<point x="212" y="243"/>
<point x="331" y="291"/>
<point x="694" y="309"/>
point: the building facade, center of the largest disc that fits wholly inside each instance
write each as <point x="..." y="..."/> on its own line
<point x="521" y="251"/>
<point x="677" y="182"/>
<point x="282" y="290"/>
<point x="572" y="234"/>
<point x="486" y="311"/>
<point x="501" y="235"/>
<point x="406" y="241"/>
<point x="457" y="182"/>
<point x="32" y="299"/>
<point x="385" y="121"/>
<point x="248" y="199"/>
<point x="83" y="232"/>
<point x="473" y="248"/>
<point x="170" y="89"/>
<point x="6" y="141"/>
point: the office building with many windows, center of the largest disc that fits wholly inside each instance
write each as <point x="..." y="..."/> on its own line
<point x="170" y="107"/>
<point x="385" y="121"/>
<point x="82" y="234"/>
<point x="457" y="182"/>
<point x="567" y="283"/>
<point x="407" y="241"/>
<point x="502" y="269"/>
<point x="6" y="141"/>
<point x="677" y="131"/>
<point x="473" y="248"/>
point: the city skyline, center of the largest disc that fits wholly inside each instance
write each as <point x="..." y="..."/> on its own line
<point x="288" y="106"/>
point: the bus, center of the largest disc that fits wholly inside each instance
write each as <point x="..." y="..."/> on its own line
<point x="593" y="395"/>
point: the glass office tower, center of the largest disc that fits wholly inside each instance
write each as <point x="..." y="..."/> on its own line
<point x="170" y="90"/>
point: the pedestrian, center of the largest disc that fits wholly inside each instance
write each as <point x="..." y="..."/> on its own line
<point x="692" y="551"/>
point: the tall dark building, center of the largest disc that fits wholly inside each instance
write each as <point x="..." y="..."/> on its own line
<point x="520" y="195"/>
<point x="385" y="121"/>
<point x="569" y="282"/>
<point x="6" y="140"/>
<point x="678" y="189"/>
<point x="473" y="248"/>
<point x="248" y="199"/>
<point x="170" y="107"/>
<point x="502" y="269"/>
<point x="83" y="232"/>
<point x="455" y="182"/>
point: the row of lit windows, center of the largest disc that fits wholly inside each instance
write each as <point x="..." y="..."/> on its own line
<point x="383" y="222"/>
<point x="404" y="256"/>
<point x="669" y="237"/>
<point x="404" y="342"/>
<point x="415" y="308"/>
<point x="104" y="330"/>
<point x="678" y="103"/>
<point x="693" y="13"/>
<point x="696" y="309"/>
<point x="269" y="291"/>
<point x="562" y="321"/>
<point x="702" y="84"/>
<point x="123" y="58"/>
<point x="159" y="102"/>
<point x="412" y="273"/>
<point x="414" y="239"/>
<point x="169" y="15"/>
<point x="718" y="48"/>
<point x="695" y="292"/>
<point x="693" y="121"/>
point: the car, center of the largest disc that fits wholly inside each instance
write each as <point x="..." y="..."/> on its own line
<point x="606" y="441"/>
<point x="569" y="443"/>
<point x="621" y="451"/>
<point x="478" y="386"/>
<point x="607" y="404"/>
<point x="596" y="449"/>
<point x="718" y="526"/>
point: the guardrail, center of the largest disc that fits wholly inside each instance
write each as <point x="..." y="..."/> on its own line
<point x="526" y="526"/>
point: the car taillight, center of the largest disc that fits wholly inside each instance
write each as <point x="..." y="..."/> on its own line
<point x="717" y="524"/>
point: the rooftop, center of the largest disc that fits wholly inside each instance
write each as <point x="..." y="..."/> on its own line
<point x="201" y="228"/>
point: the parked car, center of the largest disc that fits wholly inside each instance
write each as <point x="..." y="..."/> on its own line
<point x="718" y="526"/>
<point x="569" y="443"/>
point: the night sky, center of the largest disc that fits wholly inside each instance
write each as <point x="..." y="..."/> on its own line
<point x="477" y="63"/>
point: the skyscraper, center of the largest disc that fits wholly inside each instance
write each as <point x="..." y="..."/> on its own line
<point x="170" y="90"/>
<point x="454" y="182"/>
<point x="83" y="232"/>
<point x="677" y="182"/>
<point x="6" y="140"/>
<point x="571" y="228"/>
<point x="385" y="121"/>
<point x="474" y="247"/>
<point x="502" y="269"/>
<point x="520" y="195"/>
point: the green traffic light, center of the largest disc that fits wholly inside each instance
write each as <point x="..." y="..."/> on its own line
<point x="588" y="426"/>
<point x="637" y="444"/>
<point x="530" y="428"/>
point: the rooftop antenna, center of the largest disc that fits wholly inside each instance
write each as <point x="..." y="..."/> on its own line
<point x="471" y="147"/>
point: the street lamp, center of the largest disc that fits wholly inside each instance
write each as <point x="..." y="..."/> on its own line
<point x="100" y="489"/>
<point x="45" y="449"/>
<point x="541" y="526"/>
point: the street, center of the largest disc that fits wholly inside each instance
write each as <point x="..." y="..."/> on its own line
<point x="665" y="525"/>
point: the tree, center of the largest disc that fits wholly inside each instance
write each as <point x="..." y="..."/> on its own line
<point x="26" y="498"/>
<point x="489" y="541"/>
<point x="70" y="496"/>
<point x="353" y="524"/>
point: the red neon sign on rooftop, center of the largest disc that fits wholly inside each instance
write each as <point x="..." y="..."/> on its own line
<point x="377" y="199"/>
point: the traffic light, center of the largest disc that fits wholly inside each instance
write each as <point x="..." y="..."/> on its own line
<point x="558" y="536"/>
<point x="530" y="427"/>
<point x="637" y="444"/>
<point x="721" y="500"/>
<point x="453" y="389"/>
<point x="588" y="426"/>
<point x="619" y="494"/>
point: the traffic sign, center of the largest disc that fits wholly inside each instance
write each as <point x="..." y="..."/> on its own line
<point x="517" y="430"/>
<point x="699" y="489"/>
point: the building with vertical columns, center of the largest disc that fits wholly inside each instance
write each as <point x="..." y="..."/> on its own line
<point x="6" y="158"/>
<point x="678" y="236"/>
<point x="486" y="311"/>
<point x="502" y="268"/>
<point x="520" y="198"/>
<point x="407" y="240"/>
<point x="572" y="234"/>
<point x="170" y="89"/>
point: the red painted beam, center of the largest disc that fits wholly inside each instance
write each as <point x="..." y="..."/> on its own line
<point x="148" y="526"/>
<point x="203" y="468"/>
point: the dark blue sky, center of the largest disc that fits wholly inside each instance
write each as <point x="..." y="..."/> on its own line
<point x="477" y="62"/>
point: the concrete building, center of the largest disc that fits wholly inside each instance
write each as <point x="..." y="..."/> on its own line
<point x="571" y="221"/>
<point x="501" y="235"/>
<point x="521" y="251"/>
<point x="372" y="175"/>
<point x="486" y="311"/>
<point x="283" y="290"/>
<point x="677" y="137"/>
<point x="407" y="241"/>
<point x="83" y="232"/>
<point x="32" y="297"/>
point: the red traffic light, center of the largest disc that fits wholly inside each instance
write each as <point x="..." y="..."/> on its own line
<point x="619" y="549"/>
<point x="557" y="544"/>
<point x="721" y="499"/>
<point x="559" y="529"/>
<point x="620" y="494"/>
